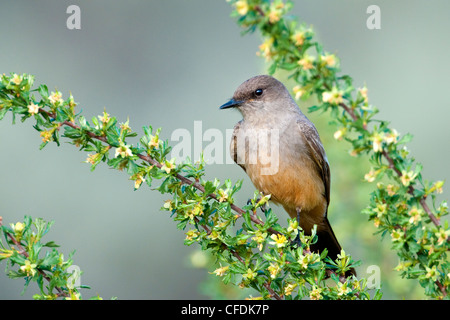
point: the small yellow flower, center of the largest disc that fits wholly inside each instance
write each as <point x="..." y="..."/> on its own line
<point x="442" y="236"/>
<point x="439" y="185"/>
<point x="29" y="268"/>
<point x="289" y="288"/>
<point x="104" y="118"/>
<point x="407" y="177"/>
<point x="343" y="289"/>
<point x="377" y="142"/>
<point x="299" y="38"/>
<point x="357" y="284"/>
<point x="338" y="135"/>
<point x="391" y="189"/>
<point x="16" y="79"/>
<point x="274" y="15"/>
<point x="55" y="97"/>
<point x="432" y="273"/>
<point x="303" y="260"/>
<point x="214" y="235"/>
<point x="329" y="59"/>
<point x="354" y="152"/>
<point x="380" y="209"/>
<point x="192" y="235"/>
<point x="293" y="227"/>
<point x="397" y="235"/>
<point x="376" y="222"/>
<point x="298" y="92"/>
<point x="123" y="151"/>
<point x="46" y="135"/>
<point x="33" y="108"/>
<point x="197" y="210"/>
<point x="306" y="62"/>
<point x="279" y="240"/>
<point x="221" y="271"/>
<point x="223" y="195"/>
<point x="274" y="269"/>
<point x="402" y="266"/>
<point x="415" y="214"/>
<point x="168" y="166"/>
<point x="154" y="142"/>
<point x="125" y="126"/>
<point x="371" y="175"/>
<point x="315" y="293"/>
<point x="259" y="238"/>
<point x="266" y="48"/>
<point x="242" y="7"/>
<point x="18" y="227"/>
<point x="72" y="103"/>
<point x="333" y="97"/>
<point x="250" y="274"/>
<point x="168" y="205"/>
<point x="138" y="181"/>
<point x="92" y="158"/>
<point x="363" y="92"/>
<point x="391" y="137"/>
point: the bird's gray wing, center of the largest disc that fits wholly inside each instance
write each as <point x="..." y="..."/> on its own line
<point x="234" y="144"/>
<point x="317" y="153"/>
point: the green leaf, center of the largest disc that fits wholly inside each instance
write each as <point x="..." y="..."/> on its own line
<point x="113" y="138"/>
<point x="95" y="122"/>
<point x="271" y="218"/>
<point x="17" y="258"/>
<point x="51" y="244"/>
<point x="132" y="168"/>
<point x="50" y="259"/>
<point x="209" y="187"/>
<point x="405" y="139"/>
<point x="43" y="91"/>
<point x="248" y="220"/>
<point x="14" y="275"/>
<point x="314" y="108"/>
<point x="272" y="68"/>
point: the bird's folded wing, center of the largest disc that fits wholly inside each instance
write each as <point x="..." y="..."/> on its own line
<point x="317" y="152"/>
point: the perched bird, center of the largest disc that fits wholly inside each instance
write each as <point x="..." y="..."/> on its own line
<point x="280" y="150"/>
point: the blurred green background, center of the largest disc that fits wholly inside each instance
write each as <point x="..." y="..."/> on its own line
<point x="170" y="63"/>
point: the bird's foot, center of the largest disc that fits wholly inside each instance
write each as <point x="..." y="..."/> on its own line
<point x="296" y="243"/>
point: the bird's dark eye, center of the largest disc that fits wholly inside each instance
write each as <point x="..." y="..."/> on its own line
<point x="258" y="92"/>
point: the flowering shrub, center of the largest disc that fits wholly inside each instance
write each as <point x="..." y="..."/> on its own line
<point x="261" y="254"/>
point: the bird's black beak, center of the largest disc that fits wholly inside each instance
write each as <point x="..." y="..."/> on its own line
<point x="231" y="104"/>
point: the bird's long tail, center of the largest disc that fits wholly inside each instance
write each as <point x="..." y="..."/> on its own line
<point x="327" y="240"/>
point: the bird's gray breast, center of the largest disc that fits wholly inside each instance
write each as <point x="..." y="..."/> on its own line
<point x="266" y="144"/>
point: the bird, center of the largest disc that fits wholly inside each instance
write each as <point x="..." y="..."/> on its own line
<point x="280" y="150"/>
